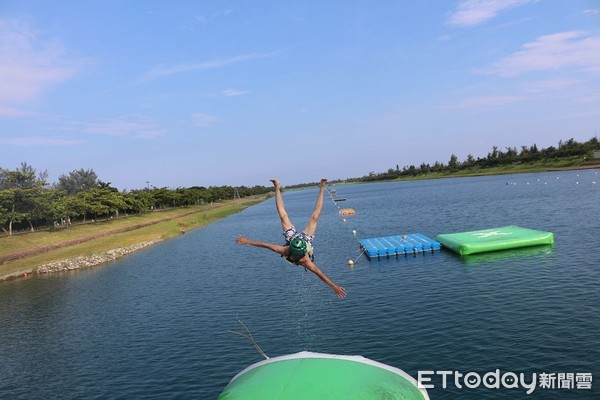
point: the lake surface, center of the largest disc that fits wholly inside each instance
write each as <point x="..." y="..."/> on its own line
<point x="154" y="325"/>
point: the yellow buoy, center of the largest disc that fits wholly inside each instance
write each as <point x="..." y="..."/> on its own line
<point x="350" y="262"/>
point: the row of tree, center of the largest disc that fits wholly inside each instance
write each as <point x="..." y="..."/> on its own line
<point x="27" y="201"/>
<point x="495" y="158"/>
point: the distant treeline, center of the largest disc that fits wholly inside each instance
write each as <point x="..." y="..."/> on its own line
<point x="495" y="158"/>
<point x="27" y="201"/>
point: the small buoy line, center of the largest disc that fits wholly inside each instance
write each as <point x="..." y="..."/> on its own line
<point x="344" y="212"/>
<point x="578" y="179"/>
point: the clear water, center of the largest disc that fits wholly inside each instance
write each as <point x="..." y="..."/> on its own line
<point x="154" y="325"/>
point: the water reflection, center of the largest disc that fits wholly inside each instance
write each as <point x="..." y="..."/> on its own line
<point x="534" y="253"/>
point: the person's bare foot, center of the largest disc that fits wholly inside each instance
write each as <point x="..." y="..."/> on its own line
<point x="323" y="182"/>
<point x="276" y="183"/>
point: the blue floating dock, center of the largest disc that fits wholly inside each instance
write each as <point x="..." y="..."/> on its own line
<point x="398" y="245"/>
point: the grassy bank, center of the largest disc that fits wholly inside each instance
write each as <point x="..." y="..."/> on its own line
<point x="516" y="168"/>
<point x="28" y="251"/>
<point x="541" y="166"/>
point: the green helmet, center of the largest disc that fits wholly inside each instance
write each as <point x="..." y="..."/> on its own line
<point x="297" y="246"/>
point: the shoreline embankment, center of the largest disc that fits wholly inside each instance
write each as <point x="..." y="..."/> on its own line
<point x="121" y="240"/>
<point x="71" y="264"/>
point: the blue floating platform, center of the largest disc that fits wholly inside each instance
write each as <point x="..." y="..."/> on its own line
<point x="398" y="245"/>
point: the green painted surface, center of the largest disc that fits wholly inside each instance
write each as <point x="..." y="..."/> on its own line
<point x="507" y="237"/>
<point x="320" y="378"/>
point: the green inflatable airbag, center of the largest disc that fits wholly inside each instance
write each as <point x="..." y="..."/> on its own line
<point x="507" y="237"/>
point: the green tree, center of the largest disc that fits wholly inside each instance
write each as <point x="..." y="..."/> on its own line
<point x="453" y="163"/>
<point x="163" y="197"/>
<point x="71" y="207"/>
<point x="10" y="212"/>
<point x="470" y="161"/>
<point x="102" y="202"/>
<point x="77" y="181"/>
<point x="139" y="201"/>
<point x="38" y="203"/>
<point x="20" y="195"/>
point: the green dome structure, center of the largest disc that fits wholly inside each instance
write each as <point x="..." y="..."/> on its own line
<point x="309" y="376"/>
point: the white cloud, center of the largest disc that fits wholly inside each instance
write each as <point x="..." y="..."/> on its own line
<point x="39" y="141"/>
<point x="593" y="11"/>
<point x="488" y="102"/>
<point x="168" y="70"/>
<point x="10" y="111"/>
<point x="201" y="120"/>
<point x="233" y="92"/>
<point x="474" y="12"/>
<point x="130" y="126"/>
<point x="566" y="49"/>
<point x="215" y="15"/>
<point x="551" y="84"/>
<point x="30" y="65"/>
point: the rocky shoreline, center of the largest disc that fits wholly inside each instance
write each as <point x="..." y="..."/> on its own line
<point x="82" y="261"/>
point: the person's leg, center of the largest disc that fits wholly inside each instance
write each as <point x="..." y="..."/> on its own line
<point x="286" y="224"/>
<point x="311" y="226"/>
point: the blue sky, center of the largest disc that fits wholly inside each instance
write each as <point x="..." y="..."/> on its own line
<point x="183" y="93"/>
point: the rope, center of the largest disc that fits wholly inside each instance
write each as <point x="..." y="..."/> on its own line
<point x="361" y="253"/>
<point x="353" y="231"/>
<point x="250" y="338"/>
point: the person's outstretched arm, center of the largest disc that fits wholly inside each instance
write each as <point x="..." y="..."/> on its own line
<point x="273" y="247"/>
<point x="339" y="291"/>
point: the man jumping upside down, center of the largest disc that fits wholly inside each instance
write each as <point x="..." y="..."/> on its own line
<point x="298" y="245"/>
